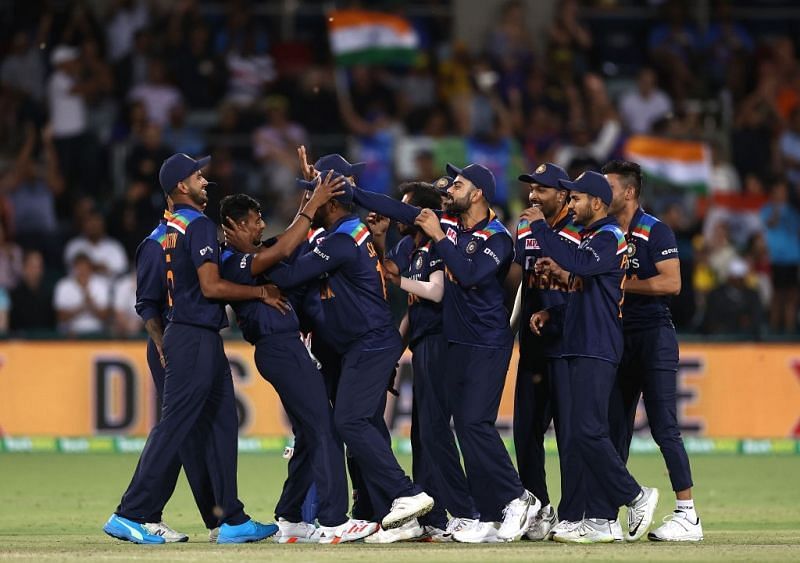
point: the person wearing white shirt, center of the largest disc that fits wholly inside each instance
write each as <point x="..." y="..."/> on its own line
<point x="106" y="254"/>
<point x="641" y="107"/>
<point x="82" y="299"/>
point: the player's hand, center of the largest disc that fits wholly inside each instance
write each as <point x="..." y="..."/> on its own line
<point x="327" y="189"/>
<point x="532" y="214"/>
<point x="548" y="267"/>
<point x="429" y="222"/>
<point x="378" y="224"/>
<point x="538" y="320"/>
<point x="272" y="296"/>
<point x="237" y="236"/>
<point x="391" y="272"/>
<point x="308" y="171"/>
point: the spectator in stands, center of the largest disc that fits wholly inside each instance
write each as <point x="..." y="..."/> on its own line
<point x="32" y="299"/>
<point x="132" y="69"/>
<point x="231" y="132"/>
<point x="23" y="68"/>
<point x="131" y="217"/>
<point x="82" y="299"/>
<point x="106" y="255"/>
<point x="76" y="147"/>
<point x="569" y="40"/>
<point x="642" y="106"/>
<point x="179" y="136"/>
<point x="10" y="259"/>
<point x="157" y="94"/>
<point x="199" y="74"/>
<point x="733" y="308"/>
<point x="146" y="156"/>
<point x="752" y="136"/>
<point x="125" y="19"/>
<point x="249" y="71"/>
<point x="782" y="222"/>
<point x="125" y="321"/>
<point x="674" y="46"/>
<point x="726" y="43"/>
<point x="757" y="255"/>
<point x="724" y="178"/>
<point x="789" y="148"/>
<point x="721" y="251"/>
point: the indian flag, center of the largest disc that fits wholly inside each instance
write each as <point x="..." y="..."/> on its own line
<point x="685" y="164"/>
<point x="363" y="37"/>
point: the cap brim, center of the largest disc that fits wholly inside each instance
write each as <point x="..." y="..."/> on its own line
<point x="527" y="178"/>
<point x="306" y="184"/>
<point x="452" y="170"/>
<point x="566" y="184"/>
<point x="202" y="163"/>
<point x="357" y="168"/>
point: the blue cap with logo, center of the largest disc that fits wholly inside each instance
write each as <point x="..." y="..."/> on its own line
<point x="546" y="174"/>
<point x="592" y="183"/>
<point x="178" y="167"/>
<point x="479" y="175"/>
<point x="345" y="198"/>
<point x="339" y="164"/>
<point x="441" y="184"/>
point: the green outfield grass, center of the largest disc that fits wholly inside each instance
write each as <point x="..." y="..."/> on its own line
<point x="52" y="507"/>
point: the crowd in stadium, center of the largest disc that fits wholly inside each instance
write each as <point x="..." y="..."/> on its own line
<point x="92" y="102"/>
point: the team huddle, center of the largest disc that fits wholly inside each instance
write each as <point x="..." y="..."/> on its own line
<point x="585" y="280"/>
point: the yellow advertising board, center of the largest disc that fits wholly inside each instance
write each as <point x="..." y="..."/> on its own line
<point x="101" y="388"/>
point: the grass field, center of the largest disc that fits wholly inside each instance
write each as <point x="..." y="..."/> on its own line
<point x="52" y="507"/>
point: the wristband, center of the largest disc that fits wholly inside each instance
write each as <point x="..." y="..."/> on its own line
<point x="301" y="214"/>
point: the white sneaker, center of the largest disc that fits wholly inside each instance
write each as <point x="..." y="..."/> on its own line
<point x="409" y="531"/>
<point x="590" y="530"/>
<point x="454" y="525"/>
<point x="478" y="532"/>
<point x="407" y="508"/>
<point x="213" y="534"/>
<point x="169" y="535"/>
<point x="518" y="515"/>
<point x="677" y="527"/>
<point x="543" y="523"/>
<point x="436" y="535"/>
<point x="295" y="532"/>
<point x="616" y="530"/>
<point x="563" y="526"/>
<point x="640" y="514"/>
<point x="351" y="530"/>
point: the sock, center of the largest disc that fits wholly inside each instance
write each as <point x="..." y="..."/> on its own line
<point x="687" y="507"/>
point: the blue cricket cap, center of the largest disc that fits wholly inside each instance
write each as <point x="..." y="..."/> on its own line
<point x="345" y="198"/>
<point x="592" y="183"/>
<point x="178" y="167"/>
<point x="479" y="175"/>
<point x="547" y="174"/>
<point x="338" y="163"/>
<point x="441" y="184"/>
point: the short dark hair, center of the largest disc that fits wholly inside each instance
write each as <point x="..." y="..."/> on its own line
<point x="423" y="194"/>
<point x="630" y="172"/>
<point x="237" y="206"/>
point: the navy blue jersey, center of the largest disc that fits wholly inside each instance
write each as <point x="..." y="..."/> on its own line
<point x="418" y="263"/>
<point x="190" y="242"/>
<point x="541" y="291"/>
<point x="351" y="287"/>
<point x="476" y="263"/>
<point x="151" y="274"/>
<point x="305" y="297"/>
<point x="256" y="319"/>
<point x="649" y="242"/>
<point x="593" y="315"/>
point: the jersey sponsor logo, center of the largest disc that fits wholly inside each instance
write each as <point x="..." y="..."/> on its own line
<point x="206" y="250"/>
<point x="532" y="244"/>
<point x="243" y="262"/>
<point x="451" y="235"/>
<point x="321" y="254"/>
<point x="472" y="246"/>
<point x="492" y="255"/>
<point x="435" y="262"/>
<point x="668" y="251"/>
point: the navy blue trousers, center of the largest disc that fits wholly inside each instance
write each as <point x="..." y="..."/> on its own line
<point x="436" y="462"/>
<point x="199" y="410"/>
<point x="332" y="370"/>
<point x="358" y="417"/>
<point x="533" y="412"/>
<point x="593" y="464"/>
<point x="191" y="458"/>
<point x="649" y="368"/>
<point x="572" y="503"/>
<point x="284" y="362"/>
<point x="475" y="379"/>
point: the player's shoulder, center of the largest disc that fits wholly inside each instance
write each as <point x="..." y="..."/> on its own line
<point x="614" y="231"/>
<point x="183" y="218"/>
<point x="353" y="228"/>
<point x="648" y="226"/>
<point x="492" y="228"/>
<point x="569" y="230"/>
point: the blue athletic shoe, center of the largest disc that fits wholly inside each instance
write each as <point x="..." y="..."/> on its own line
<point x="128" y="530"/>
<point x="250" y="531"/>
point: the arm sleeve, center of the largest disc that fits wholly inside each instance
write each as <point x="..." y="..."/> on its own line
<point x="662" y="241"/>
<point x="386" y="206"/>
<point x="597" y="257"/>
<point x="472" y="269"/>
<point x="325" y="257"/>
<point x="201" y="237"/>
<point x="432" y="290"/>
<point x="401" y="253"/>
<point x="150" y="280"/>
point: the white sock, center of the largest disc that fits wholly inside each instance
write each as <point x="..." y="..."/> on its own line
<point x="687" y="507"/>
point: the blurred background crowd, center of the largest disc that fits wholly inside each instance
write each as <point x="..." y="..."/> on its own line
<point x="95" y="94"/>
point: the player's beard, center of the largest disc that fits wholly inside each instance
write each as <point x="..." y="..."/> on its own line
<point x="199" y="198"/>
<point x="457" y="206"/>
